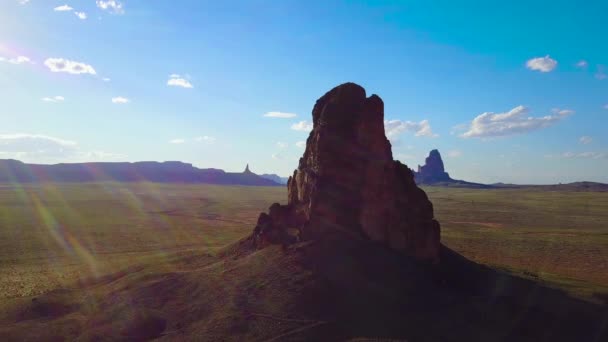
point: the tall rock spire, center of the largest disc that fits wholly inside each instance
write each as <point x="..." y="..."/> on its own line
<point x="347" y="184"/>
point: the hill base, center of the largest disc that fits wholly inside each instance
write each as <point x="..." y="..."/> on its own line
<point x="322" y="290"/>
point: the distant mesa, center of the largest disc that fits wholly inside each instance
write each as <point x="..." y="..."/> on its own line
<point x="347" y="184"/>
<point x="275" y="178"/>
<point x="13" y="171"/>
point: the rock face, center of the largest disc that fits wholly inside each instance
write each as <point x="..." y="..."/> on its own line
<point x="433" y="170"/>
<point x="348" y="185"/>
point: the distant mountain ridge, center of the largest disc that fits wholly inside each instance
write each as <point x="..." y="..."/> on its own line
<point x="275" y="177"/>
<point x="14" y="171"/>
<point x="433" y="173"/>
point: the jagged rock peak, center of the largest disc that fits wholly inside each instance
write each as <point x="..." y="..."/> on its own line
<point x="433" y="170"/>
<point x="347" y="184"/>
<point x="247" y="169"/>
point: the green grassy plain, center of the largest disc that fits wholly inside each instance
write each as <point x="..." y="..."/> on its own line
<point x="56" y="234"/>
<point x="52" y="235"/>
<point x="560" y="237"/>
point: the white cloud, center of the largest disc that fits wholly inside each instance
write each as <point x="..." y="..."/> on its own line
<point x="53" y="99"/>
<point x="67" y="66"/>
<point x="8" y="142"/>
<point x="177" y="141"/>
<point x="542" y="64"/>
<point x="81" y="15"/>
<point x="301" y="144"/>
<point x="106" y="79"/>
<point x="585" y="139"/>
<point x="393" y="128"/>
<point x="562" y="112"/>
<point x="120" y="100"/>
<point x="16" y="60"/>
<point x="513" y="122"/>
<point x="582" y="64"/>
<point x="584" y="155"/>
<point x="62" y="8"/>
<point x="112" y="6"/>
<point x="303" y="126"/>
<point x="454" y="153"/>
<point x="277" y="156"/>
<point x="35" y="147"/>
<point x="23" y="2"/>
<point x="281" y="145"/>
<point x="38" y="148"/>
<point x="176" y="80"/>
<point x="600" y="74"/>
<point x="281" y="115"/>
<point x="206" y="139"/>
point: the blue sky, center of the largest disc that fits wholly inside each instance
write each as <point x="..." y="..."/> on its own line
<point x="131" y="80"/>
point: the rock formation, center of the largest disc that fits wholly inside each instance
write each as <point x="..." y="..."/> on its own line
<point x="433" y="170"/>
<point x="347" y="184"/>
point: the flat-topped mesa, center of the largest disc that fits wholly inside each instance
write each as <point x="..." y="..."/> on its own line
<point x="348" y="185"/>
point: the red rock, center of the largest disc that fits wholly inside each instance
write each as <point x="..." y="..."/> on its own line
<point x="347" y="184"/>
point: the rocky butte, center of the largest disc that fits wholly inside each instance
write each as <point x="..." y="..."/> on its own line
<point x="347" y="184"/>
<point x="433" y="170"/>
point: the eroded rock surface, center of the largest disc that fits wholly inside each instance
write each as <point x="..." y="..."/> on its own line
<point x="347" y="184"/>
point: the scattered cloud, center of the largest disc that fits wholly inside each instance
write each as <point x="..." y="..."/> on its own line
<point x="120" y="100"/>
<point x="39" y="148"/>
<point x="513" y="122"/>
<point x="585" y="139"/>
<point x="62" y="8"/>
<point x="112" y="6"/>
<point x="303" y="126"/>
<point x="455" y="154"/>
<point x="68" y="66"/>
<point x="81" y="15"/>
<point x="206" y="139"/>
<point x="562" y="112"/>
<point x="583" y="155"/>
<point x="177" y="141"/>
<point x="23" y="2"/>
<point x="178" y="81"/>
<point x="582" y="64"/>
<point x="34" y="147"/>
<point x="301" y="144"/>
<point x="16" y="60"/>
<point x="53" y="99"/>
<point x="281" y="115"/>
<point x="277" y="156"/>
<point x="542" y="64"/>
<point x="106" y="79"/>
<point x="282" y="145"/>
<point x="600" y="72"/>
<point x="393" y="128"/>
